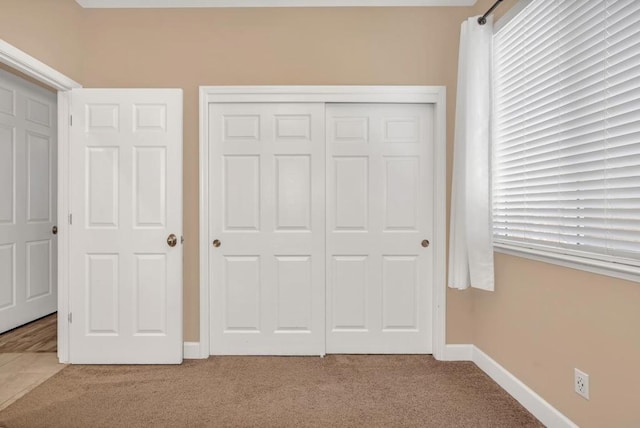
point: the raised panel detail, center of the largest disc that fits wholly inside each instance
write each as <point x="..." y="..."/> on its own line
<point x="102" y="284"/>
<point x="7" y="276"/>
<point x="294" y="293"/>
<point x="399" y="292"/>
<point x="149" y="188"/>
<point x="349" y="293"/>
<point x="7" y="101"/>
<point x="102" y="187"/>
<point x="351" y="192"/>
<point x="401" y="193"/>
<point x="401" y="130"/>
<point x="351" y="129"/>
<point x="102" y="117"/>
<point x="38" y="177"/>
<point x="7" y="174"/>
<point x="293" y="192"/>
<point x="150" y="284"/>
<point x="241" y="189"/>
<point x="241" y="128"/>
<point x="38" y="269"/>
<point x="293" y="127"/>
<point x="242" y="293"/>
<point x="38" y="112"/>
<point x="149" y="117"/>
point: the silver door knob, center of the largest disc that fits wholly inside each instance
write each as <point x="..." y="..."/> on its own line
<point x="172" y="240"/>
<point x="217" y="243"/>
<point x="54" y="230"/>
<point x="425" y="243"/>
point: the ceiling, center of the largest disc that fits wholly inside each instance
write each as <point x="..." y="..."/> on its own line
<point x="105" y="4"/>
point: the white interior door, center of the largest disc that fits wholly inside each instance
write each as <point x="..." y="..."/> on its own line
<point x="379" y="210"/>
<point x="28" y="192"/>
<point x="267" y="212"/>
<point x="126" y="207"/>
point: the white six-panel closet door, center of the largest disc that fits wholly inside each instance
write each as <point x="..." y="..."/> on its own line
<point x="303" y="189"/>
<point x="267" y="218"/>
<point x="379" y="219"/>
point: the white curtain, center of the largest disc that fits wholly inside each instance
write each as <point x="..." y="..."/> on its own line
<point x="470" y="240"/>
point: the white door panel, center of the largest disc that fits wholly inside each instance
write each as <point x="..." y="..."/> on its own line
<point x="379" y="209"/>
<point x="126" y="200"/>
<point x="320" y="211"/>
<point x="28" y="192"/>
<point x="267" y="210"/>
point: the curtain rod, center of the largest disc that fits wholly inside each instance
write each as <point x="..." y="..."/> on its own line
<point x="483" y="19"/>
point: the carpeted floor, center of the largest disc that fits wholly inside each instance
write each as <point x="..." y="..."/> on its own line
<point x="336" y="391"/>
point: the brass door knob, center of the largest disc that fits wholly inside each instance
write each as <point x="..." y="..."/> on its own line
<point x="425" y="243"/>
<point x="172" y="240"/>
<point x="54" y="230"/>
<point x="217" y="243"/>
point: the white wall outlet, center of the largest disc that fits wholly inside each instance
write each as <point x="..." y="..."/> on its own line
<point x="581" y="383"/>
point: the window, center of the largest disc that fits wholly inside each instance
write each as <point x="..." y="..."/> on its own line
<point x="566" y="154"/>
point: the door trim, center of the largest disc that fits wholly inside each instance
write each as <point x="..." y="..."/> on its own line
<point x="435" y="95"/>
<point x="26" y="64"/>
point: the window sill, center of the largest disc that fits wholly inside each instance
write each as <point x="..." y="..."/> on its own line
<point x="616" y="270"/>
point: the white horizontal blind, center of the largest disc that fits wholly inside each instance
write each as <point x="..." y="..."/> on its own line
<point x="566" y="169"/>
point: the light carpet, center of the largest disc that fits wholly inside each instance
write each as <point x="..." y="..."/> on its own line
<point x="336" y="391"/>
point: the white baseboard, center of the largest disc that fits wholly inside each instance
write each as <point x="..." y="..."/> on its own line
<point x="458" y="353"/>
<point x="192" y="351"/>
<point x="541" y="409"/>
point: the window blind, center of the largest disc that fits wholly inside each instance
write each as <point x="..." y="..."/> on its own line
<point x="566" y="131"/>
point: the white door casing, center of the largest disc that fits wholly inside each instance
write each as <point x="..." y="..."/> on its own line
<point x="28" y="201"/>
<point x="267" y="211"/>
<point x="379" y="211"/>
<point x="125" y="201"/>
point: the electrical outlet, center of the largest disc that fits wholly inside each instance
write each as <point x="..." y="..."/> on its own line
<point x="581" y="383"/>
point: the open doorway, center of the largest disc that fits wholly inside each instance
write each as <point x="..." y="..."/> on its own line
<point x="28" y="234"/>
<point x="28" y="217"/>
<point x="22" y="65"/>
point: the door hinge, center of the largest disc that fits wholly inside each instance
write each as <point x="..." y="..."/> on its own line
<point x="70" y="120"/>
<point x="70" y="218"/>
<point x="70" y="317"/>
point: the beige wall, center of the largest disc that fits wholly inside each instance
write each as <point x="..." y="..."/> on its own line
<point x="188" y="48"/>
<point x="48" y="30"/>
<point x="541" y="321"/>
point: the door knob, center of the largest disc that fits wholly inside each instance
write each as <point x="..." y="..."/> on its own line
<point x="217" y="243"/>
<point x="172" y="240"/>
<point x="54" y="230"/>
<point x="425" y="243"/>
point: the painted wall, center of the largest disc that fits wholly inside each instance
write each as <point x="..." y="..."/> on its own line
<point x="273" y="46"/>
<point x="48" y="30"/>
<point x="189" y="48"/>
<point x="543" y="320"/>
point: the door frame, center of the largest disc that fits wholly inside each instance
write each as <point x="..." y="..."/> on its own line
<point x="435" y="95"/>
<point x="20" y="61"/>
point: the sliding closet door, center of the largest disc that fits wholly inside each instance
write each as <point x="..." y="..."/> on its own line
<point x="267" y="224"/>
<point x="379" y="221"/>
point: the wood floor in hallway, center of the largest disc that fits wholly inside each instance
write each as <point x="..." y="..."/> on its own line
<point x="38" y="336"/>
